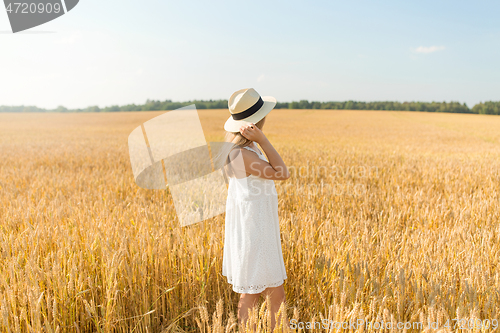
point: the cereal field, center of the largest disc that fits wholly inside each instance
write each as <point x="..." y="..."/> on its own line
<point x="388" y="216"/>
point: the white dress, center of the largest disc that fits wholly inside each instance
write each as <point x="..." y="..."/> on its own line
<point x="252" y="259"/>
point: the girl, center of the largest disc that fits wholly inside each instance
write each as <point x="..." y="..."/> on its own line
<point x="253" y="260"/>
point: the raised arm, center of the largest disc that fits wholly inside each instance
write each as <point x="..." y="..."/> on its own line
<point x="275" y="169"/>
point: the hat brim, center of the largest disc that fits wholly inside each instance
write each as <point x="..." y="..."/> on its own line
<point x="232" y="125"/>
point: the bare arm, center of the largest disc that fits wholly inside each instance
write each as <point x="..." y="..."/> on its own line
<point x="274" y="158"/>
<point x="275" y="169"/>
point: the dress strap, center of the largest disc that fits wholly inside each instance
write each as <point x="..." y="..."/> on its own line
<point x="252" y="150"/>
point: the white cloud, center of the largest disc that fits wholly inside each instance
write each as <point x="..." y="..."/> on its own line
<point x="260" y="78"/>
<point x="429" y="49"/>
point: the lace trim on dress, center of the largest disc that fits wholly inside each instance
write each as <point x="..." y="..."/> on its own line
<point x="251" y="149"/>
<point x="257" y="152"/>
<point x="255" y="289"/>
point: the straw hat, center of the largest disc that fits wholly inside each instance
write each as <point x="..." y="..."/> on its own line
<point x="247" y="106"/>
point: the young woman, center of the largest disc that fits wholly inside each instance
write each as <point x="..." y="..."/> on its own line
<point x="253" y="260"/>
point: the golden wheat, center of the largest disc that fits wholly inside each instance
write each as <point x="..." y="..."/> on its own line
<point x="388" y="216"/>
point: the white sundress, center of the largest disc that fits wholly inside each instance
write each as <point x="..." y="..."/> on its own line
<point x="252" y="259"/>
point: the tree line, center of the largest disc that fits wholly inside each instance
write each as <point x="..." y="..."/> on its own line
<point x="152" y="105"/>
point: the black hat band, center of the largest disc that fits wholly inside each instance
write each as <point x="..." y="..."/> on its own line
<point x="248" y="112"/>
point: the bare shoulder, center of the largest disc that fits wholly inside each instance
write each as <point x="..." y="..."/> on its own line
<point x="234" y="153"/>
<point x="247" y="154"/>
<point x="239" y="159"/>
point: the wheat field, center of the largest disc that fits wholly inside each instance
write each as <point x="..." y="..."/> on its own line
<point x="388" y="217"/>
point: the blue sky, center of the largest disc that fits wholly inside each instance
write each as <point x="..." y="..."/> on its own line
<point x="119" y="52"/>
